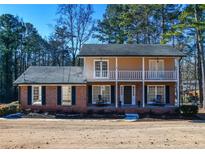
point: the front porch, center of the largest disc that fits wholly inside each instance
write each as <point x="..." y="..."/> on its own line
<point x="131" y="95"/>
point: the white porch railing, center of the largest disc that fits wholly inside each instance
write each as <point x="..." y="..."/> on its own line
<point x="101" y="74"/>
<point x="129" y="75"/>
<point x="160" y="75"/>
<point x="136" y="75"/>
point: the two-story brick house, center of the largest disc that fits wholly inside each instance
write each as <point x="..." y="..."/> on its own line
<point x="113" y="76"/>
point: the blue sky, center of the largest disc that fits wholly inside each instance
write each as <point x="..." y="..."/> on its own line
<point x="42" y="16"/>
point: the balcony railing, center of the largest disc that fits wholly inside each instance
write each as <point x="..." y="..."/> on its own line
<point x="102" y="74"/>
<point x="136" y="75"/>
<point x="160" y="75"/>
<point x="126" y="75"/>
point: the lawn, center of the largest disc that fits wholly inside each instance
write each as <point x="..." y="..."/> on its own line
<point x="54" y="133"/>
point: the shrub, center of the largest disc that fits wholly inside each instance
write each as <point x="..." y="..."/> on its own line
<point x="9" y="109"/>
<point x="13" y="109"/>
<point x="109" y="111"/>
<point x="3" y="110"/>
<point x="188" y="110"/>
<point x="99" y="111"/>
<point x="120" y="111"/>
<point x="90" y="111"/>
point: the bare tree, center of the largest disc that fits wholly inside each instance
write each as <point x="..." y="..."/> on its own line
<point x="78" y="23"/>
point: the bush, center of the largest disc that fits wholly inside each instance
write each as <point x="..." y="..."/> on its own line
<point x="90" y="111"/>
<point x="99" y="111"/>
<point x="188" y="110"/>
<point x="109" y="111"/>
<point x="9" y="109"/>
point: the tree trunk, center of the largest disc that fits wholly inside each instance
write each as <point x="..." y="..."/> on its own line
<point x="202" y="65"/>
<point x="199" y="44"/>
<point x="199" y="70"/>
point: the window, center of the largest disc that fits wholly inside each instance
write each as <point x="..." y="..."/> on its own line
<point x="156" y="65"/>
<point x="156" y="94"/>
<point x="66" y="95"/>
<point x="36" y="93"/>
<point x="101" y="94"/>
<point x="101" y="69"/>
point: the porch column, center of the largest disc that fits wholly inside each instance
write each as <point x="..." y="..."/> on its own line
<point x="177" y="82"/>
<point x="143" y="85"/>
<point x="116" y="82"/>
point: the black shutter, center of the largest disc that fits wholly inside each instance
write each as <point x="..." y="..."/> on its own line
<point x="43" y="95"/>
<point x="73" y="95"/>
<point x="167" y="95"/>
<point x="145" y="94"/>
<point x="19" y="94"/>
<point x="113" y="94"/>
<point x="89" y="94"/>
<point x="29" y="95"/>
<point x="59" y="95"/>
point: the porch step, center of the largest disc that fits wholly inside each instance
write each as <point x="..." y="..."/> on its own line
<point x="131" y="117"/>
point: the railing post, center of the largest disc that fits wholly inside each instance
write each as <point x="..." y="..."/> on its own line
<point x="116" y="82"/>
<point x="143" y="88"/>
<point x="177" y="82"/>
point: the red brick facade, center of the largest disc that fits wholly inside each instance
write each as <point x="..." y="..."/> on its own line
<point x="81" y="101"/>
<point x="23" y="90"/>
<point x="51" y="100"/>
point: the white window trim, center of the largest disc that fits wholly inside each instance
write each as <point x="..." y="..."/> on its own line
<point x="94" y="75"/>
<point x="62" y="95"/>
<point x="101" y="93"/>
<point x="156" y="91"/>
<point x="40" y="94"/>
<point x="155" y="60"/>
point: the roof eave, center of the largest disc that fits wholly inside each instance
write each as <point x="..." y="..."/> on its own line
<point x="48" y="83"/>
<point x="81" y="56"/>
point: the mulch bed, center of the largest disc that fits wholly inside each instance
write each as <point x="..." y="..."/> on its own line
<point x="108" y="116"/>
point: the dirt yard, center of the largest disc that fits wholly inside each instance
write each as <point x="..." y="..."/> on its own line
<point x="41" y="133"/>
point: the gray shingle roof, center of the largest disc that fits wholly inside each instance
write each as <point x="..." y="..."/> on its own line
<point x="52" y="75"/>
<point x="129" y="50"/>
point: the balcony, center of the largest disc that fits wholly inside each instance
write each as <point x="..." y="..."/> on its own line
<point x="136" y="75"/>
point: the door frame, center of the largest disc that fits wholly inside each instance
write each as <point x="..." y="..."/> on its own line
<point x="133" y="93"/>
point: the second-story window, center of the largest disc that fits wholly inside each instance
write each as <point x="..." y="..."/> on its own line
<point x="101" y="69"/>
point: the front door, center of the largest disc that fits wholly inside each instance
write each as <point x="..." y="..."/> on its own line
<point x="127" y="95"/>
